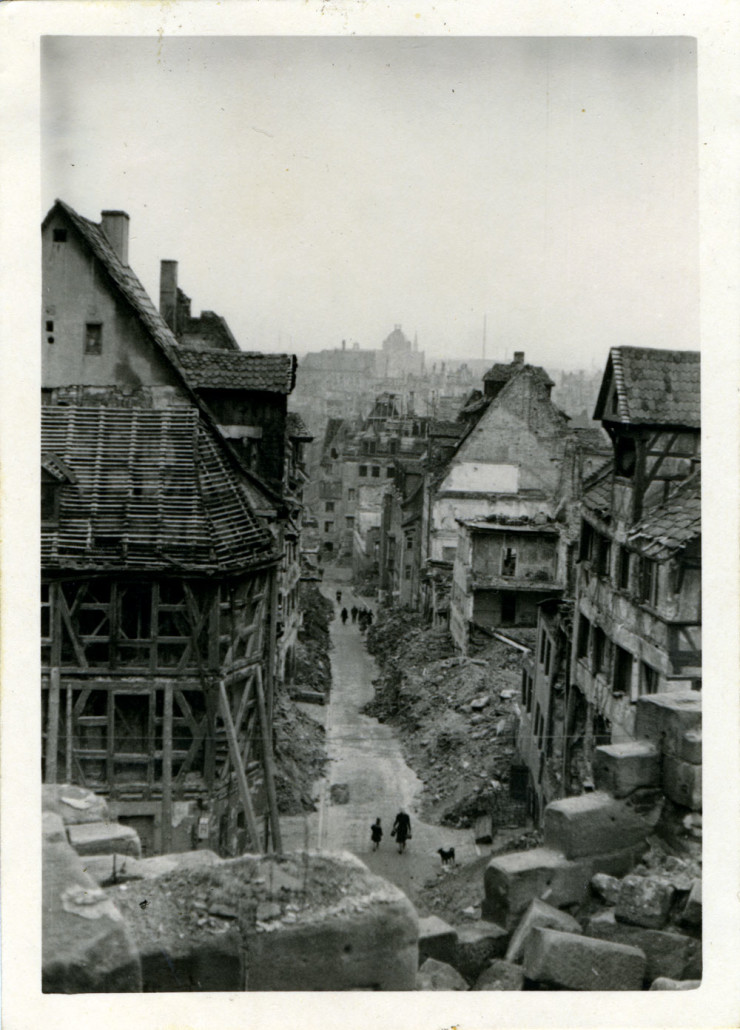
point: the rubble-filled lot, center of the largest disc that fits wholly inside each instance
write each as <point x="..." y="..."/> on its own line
<point x="456" y="716"/>
<point x="300" y="748"/>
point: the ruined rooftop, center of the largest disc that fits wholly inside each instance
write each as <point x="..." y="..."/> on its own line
<point x="227" y="370"/>
<point x="673" y="525"/>
<point x="651" y="387"/>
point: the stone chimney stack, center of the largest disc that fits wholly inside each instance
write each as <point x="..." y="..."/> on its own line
<point x="115" y="227"/>
<point x="168" y="293"/>
<point x="518" y="357"/>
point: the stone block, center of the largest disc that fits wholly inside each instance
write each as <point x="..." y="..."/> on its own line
<point x="339" y="927"/>
<point x="591" y="824"/>
<point x="104" y="839"/>
<point x="692" y="911"/>
<point x="665" y="718"/>
<point x="439" y="976"/>
<point x="86" y="946"/>
<point x="621" y="769"/>
<point x="644" y="901"/>
<point x="666" y="953"/>
<point x="437" y="940"/>
<point x="539" y="913"/>
<point x="74" y="804"/>
<point x="514" y="880"/>
<point x="682" y="782"/>
<point x="578" y="963"/>
<point x="664" y="983"/>
<point x="477" y="944"/>
<point x="691" y="750"/>
<point x="53" y="830"/>
<point x="500" y="976"/>
<point x="607" y="887"/>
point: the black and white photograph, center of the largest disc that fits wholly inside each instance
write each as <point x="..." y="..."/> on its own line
<point x="370" y="567"/>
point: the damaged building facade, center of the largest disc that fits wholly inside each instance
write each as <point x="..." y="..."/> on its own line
<point x="634" y="628"/>
<point x="163" y="552"/>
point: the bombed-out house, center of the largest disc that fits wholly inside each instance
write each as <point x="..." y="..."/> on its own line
<point x="160" y="565"/>
<point x="636" y="626"/>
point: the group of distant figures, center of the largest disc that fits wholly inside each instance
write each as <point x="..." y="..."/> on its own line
<point x="362" y="617"/>
<point x="401" y="830"/>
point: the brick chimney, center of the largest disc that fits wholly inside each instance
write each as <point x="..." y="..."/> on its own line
<point x="115" y="227"/>
<point x="518" y="357"/>
<point x="168" y="293"/>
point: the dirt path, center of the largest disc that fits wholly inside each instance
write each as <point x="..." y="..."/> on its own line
<point x="366" y="756"/>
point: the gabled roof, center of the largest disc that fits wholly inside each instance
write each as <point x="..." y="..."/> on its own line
<point x="153" y="490"/>
<point x="672" y="525"/>
<point x="502" y="373"/>
<point x="647" y="386"/>
<point x="228" y="370"/>
<point x="296" y="429"/>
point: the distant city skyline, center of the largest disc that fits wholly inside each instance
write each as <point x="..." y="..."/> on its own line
<point x="327" y="188"/>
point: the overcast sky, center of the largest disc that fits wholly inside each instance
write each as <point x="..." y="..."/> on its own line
<point x="315" y="189"/>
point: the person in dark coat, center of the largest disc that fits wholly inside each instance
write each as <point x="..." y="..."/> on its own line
<point x="339" y="596"/>
<point x="401" y="830"/>
<point x="376" y="834"/>
<point x="353" y="613"/>
<point x="345" y="615"/>
<point x="369" y="617"/>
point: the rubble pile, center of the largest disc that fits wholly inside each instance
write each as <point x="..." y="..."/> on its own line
<point x="313" y="666"/>
<point x="456" y="716"/>
<point x="634" y="932"/>
<point x="300" y="756"/>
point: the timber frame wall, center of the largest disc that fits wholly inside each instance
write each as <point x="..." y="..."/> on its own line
<point x="158" y="689"/>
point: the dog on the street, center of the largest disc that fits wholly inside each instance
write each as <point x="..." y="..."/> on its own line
<point x="447" y="855"/>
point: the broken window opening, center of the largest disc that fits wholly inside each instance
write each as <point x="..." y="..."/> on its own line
<point x="582" y="641"/>
<point x="508" y="608"/>
<point x="648" y="581"/>
<point x="508" y="562"/>
<point x="625" y="457"/>
<point x="622" y="681"/>
<point x="623" y="569"/>
<point x="94" y="338"/>
<point x="648" y="679"/>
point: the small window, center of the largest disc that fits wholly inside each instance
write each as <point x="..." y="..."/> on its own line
<point x="390" y="472"/>
<point x="94" y="338"/>
<point x="586" y="541"/>
<point x="508" y="562"/>
<point x="408" y="571"/>
<point x="582" y="642"/>
<point x="49" y="331"/>
<point x="350" y="520"/>
<point x="351" y="493"/>
<point x="329" y="506"/>
<point x="603" y="555"/>
<point x="409" y="542"/>
<point x="328" y="527"/>
<point x="376" y="471"/>
<point x="598" y="657"/>
<point x="625" y="457"/>
<point x="363" y="470"/>
<point x="59" y="235"/>
<point x="648" y="581"/>
<point x="648" y="679"/>
<point x="622" y="681"/>
<point x="623" y="569"/>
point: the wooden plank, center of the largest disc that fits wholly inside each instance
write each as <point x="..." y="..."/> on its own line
<point x="241" y="776"/>
<point x="110" y="744"/>
<point x="268" y="765"/>
<point x="167" y="772"/>
<point x="52" y="727"/>
<point x="70" y="739"/>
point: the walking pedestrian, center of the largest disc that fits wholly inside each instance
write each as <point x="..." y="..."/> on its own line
<point x="353" y="613"/>
<point x="376" y="834"/>
<point x="369" y="617"/>
<point x="344" y="616"/>
<point x="339" y="596"/>
<point x="401" y="830"/>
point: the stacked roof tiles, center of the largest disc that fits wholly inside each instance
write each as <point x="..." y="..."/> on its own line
<point x="228" y="370"/>
<point x="672" y="525"/>
<point x="152" y="489"/>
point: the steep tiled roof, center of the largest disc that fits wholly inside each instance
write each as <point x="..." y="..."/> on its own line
<point x="153" y="490"/>
<point x="227" y="370"/>
<point x="653" y="387"/>
<point x="672" y="525"/>
<point x="296" y="428"/>
<point x="501" y="373"/>
<point x="597" y="489"/>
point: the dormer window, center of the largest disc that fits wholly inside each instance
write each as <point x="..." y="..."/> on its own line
<point x="625" y="457"/>
<point x="59" y="235"/>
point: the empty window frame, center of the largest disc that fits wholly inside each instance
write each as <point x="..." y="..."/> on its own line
<point x="508" y="608"/>
<point x="582" y="641"/>
<point x="59" y="235"/>
<point x="351" y="493"/>
<point x="585" y="543"/>
<point x="648" y="581"/>
<point x="390" y="472"/>
<point x="648" y="679"/>
<point x="93" y="338"/>
<point x="603" y="555"/>
<point x="376" y="471"/>
<point x="363" y="470"/>
<point x="548" y="657"/>
<point x="623" y="569"/>
<point x="625" y="457"/>
<point x="329" y="506"/>
<point x="508" y="561"/>
<point x="598" y="653"/>
<point x="622" y="681"/>
<point x="328" y="527"/>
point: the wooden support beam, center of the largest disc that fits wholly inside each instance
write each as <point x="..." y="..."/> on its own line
<point x="70" y="739"/>
<point x="110" y="744"/>
<point x="52" y="727"/>
<point x="167" y="772"/>
<point x="236" y="759"/>
<point x="268" y="764"/>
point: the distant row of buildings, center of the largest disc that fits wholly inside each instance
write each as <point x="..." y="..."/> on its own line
<point x="580" y="546"/>
<point x="171" y="509"/>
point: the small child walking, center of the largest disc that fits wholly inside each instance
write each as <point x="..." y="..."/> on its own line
<point x="376" y="834"/>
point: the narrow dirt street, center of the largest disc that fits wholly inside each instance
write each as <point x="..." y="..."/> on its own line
<point x="366" y="757"/>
